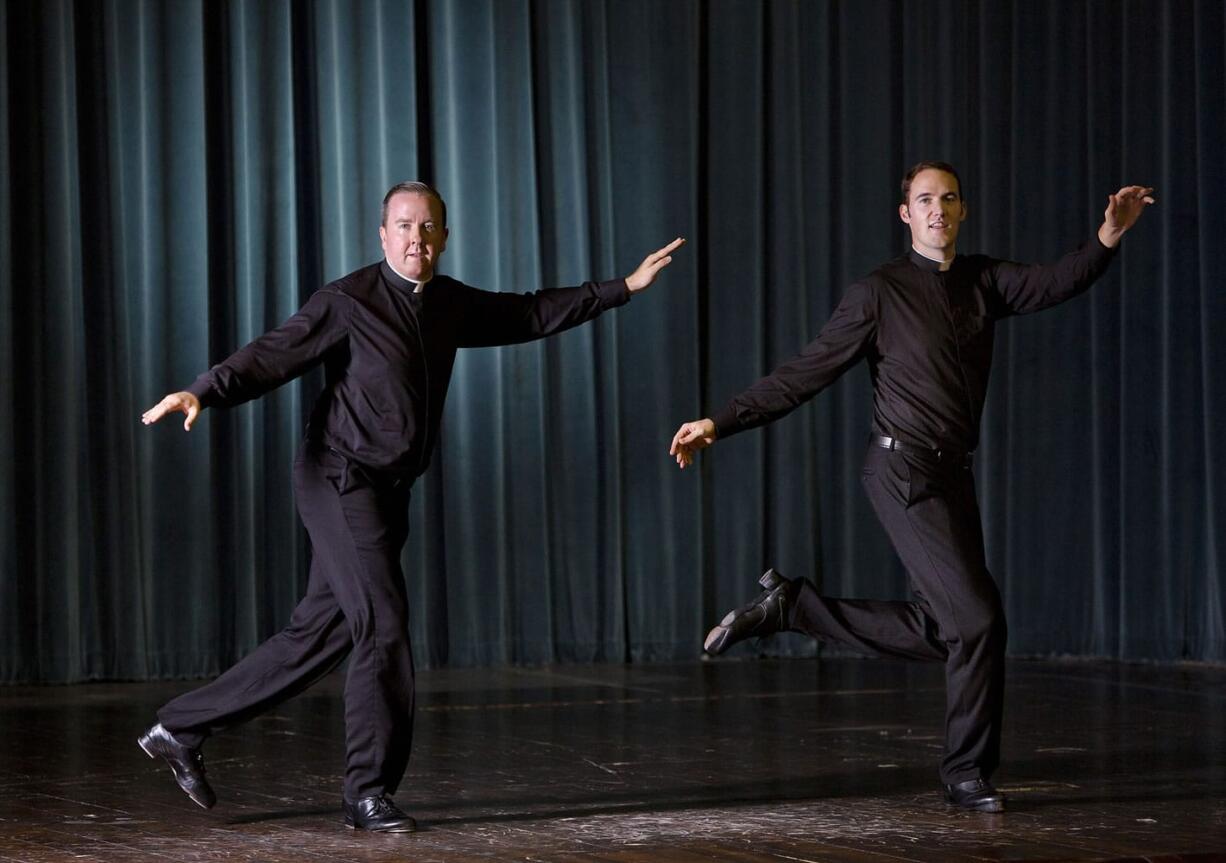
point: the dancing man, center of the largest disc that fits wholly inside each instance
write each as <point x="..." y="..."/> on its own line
<point x="925" y="323"/>
<point x="387" y="336"/>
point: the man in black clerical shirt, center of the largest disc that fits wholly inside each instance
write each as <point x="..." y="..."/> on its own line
<point x="387" y="336"/>
<point x="924" y="322"/>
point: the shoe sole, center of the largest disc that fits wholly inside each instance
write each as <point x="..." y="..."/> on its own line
<point x="142" y="742"/>
<point x="355" y="828"/>
<point x="990" y="807"/>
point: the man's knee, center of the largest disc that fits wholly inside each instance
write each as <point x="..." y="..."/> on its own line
<point x="983" y="622"/>
<point x="378" y="620"/>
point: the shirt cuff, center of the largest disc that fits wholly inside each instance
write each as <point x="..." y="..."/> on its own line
<point x="613" y="293"/>
<point x="202" y="389"/>
<point x="1099" y="250"/>
<point x="726" y="422"/>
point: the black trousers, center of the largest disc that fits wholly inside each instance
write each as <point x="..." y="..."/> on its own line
<point x="928" y="508"/>
<point x="355" y="605"/>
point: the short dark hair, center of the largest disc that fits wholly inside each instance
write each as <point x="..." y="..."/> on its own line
<point x="929" y="166"/>
<point x="415" y="187"/>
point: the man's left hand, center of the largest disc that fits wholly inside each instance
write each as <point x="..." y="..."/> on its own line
<point x="1123" y="210"/>
<point x="652" y="264"/>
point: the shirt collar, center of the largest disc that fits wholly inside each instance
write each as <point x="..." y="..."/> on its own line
<point x="398" y="281"/>
<point x="926" y="264"/>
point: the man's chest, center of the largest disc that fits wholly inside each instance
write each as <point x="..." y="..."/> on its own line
<point x="931" y="315"/>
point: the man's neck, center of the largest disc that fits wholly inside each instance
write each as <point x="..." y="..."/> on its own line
<point x="945" y="262"/>
<point x="417" y="286"/>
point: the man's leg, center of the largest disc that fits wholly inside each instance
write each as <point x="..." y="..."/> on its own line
<point x="357" y="529"/>
<point x="929" y="510"/>
<point x="314" y="643"/>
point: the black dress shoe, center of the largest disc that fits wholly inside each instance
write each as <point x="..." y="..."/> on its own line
<point x="977" y="795"/>
<point x="187" y="763"/>
<point x="378" y="814"/>
<point x="765" y="615"/>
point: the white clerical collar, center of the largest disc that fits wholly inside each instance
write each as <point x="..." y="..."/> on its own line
<point x="417" y="286"/>
<point x="945" y="265"/>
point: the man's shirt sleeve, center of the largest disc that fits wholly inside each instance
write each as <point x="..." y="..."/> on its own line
<point x="490" y="318"/>
<point x="840" y="345"/>
<point x="279" y="355"/>
<point x="1024" y="288"/>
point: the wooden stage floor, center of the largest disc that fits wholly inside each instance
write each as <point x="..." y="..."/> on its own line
<point x="771" y="760"/>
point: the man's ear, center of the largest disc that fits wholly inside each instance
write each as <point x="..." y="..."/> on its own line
<point x="904" y="213"/>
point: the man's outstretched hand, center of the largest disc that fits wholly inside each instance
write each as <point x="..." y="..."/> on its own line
<point x="652" y="264"/>
<point x="1123" y="210"/>
<point x="689" y="439"/>
<point x="184" y="402"/>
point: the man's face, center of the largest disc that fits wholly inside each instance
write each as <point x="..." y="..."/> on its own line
<point x="413" y="236"/>
<point x="934" y="210"/>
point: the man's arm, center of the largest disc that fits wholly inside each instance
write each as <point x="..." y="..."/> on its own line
<point x="840" y="345"/>
<point x="1025" y="288"/>
<point x="278" y="356"/>
<point x="505" y="318"/>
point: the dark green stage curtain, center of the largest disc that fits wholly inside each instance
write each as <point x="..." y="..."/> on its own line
<point x="179" y="176"/>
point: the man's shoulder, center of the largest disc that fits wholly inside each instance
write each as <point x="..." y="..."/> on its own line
<point x="449" y="290"/>
<point x="448" y="283"/>
<point x="357" y="284"/>
<point x="886" y="274"/>
<point x="891" y="267"/>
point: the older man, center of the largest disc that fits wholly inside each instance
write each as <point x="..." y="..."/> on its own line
<point x="924" y="322"/>
<point x="387" y="336"/>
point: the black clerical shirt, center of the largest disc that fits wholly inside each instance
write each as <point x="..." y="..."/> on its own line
<point x="927" y="336"/>
<point x="388" y="354"/>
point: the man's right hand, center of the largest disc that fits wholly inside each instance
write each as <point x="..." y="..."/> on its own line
<point x="184" y="402"/>
<point x="689" y="439"/>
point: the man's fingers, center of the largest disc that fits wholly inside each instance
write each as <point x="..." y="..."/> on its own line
<point x="672" y="449"/>
<point x="685" y="435"/>
<point x="158" y="411"/>
<point x="1141" y="193"/>
<point x="184" y="401"/>
<point x="672" y="247"/>
<point x="659" y="265"/>
<point x="663" y="252"/>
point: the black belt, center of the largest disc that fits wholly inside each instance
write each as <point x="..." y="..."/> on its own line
<point x="944" y="455"/>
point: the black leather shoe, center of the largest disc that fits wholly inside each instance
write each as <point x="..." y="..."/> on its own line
<point x="765" y="615"/>
<point x="977" y="795"/>
<point x="378" y="814"/>
<point x="187" y="763"/>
